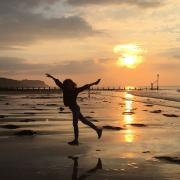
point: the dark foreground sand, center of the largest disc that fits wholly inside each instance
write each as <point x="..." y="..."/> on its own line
<point x="47" y="157"/>
<point x="147" y="147"/>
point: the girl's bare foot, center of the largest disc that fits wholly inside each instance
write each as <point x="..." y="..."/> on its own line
<point x="99" y="132"/>
<point x="74" y="143"/>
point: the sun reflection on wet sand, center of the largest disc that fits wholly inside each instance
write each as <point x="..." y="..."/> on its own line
<point x="128" y="102"/>
<point x="129" y="136"/>
<point x="129" y="118"/>
<point x="128" y="96"/>
<point x="128" y="105"/>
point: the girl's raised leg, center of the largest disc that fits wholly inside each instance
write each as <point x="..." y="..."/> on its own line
<point x="90" y="124"/>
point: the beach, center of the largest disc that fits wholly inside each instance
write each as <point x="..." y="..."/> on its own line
<point x="140" y="138"/>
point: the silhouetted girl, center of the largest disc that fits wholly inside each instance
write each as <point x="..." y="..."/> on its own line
<point x="70" y="93"/>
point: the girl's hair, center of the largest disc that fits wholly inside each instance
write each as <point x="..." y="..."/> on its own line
<point x="68" y="83"/>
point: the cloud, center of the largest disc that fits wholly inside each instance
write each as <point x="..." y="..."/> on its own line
<point x="169" y="60"/>
<point x="171" y="53"/>
<point x="174" y="52"/>
<point x="139" y="3"/>
<point x="17" y="8"/>
<point x="13" y="65"/>
<point x="167" y="66"/>
<point x="21" y="26"/>
<point x="77" y="67"/>
<point x="10" y="63"/>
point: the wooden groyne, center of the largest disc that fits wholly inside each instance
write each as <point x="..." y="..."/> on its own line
<point x="54" y="90"/>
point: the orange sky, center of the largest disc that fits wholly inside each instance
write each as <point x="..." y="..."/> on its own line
<point x="76" y="39"/>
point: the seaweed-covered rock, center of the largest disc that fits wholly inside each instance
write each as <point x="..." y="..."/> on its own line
<point x="170" y="115"/>
<point x="2" y="116"/>
<point x="30" y="113"/>
<point x="52" y="104"/>
<point x="9" y="126"/>
<point x="108" y="127"/>
<point x="146" y="152"/>
<point x="25" y="133"/>
<point x="27" y="120"/>
<point x="156" y="111"/>
<point x="169" y="159"/>
<point x="128" y="113"/>
<point x="64" y="112"/>
<point x="61" y="109"/>
<point x="137" y="125"/>
<point x="149" y="105"/>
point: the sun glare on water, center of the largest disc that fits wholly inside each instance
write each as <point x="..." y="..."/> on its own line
<point x="131" y="55"/>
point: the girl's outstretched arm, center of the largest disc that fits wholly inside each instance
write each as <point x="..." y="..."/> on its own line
<point x="58" y="83"/>
<point x="87" y="86"/>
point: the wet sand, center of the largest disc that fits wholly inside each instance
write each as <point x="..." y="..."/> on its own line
<point x="129" y="153"/>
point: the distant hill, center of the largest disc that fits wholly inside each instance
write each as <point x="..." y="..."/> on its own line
<point x="11" y="83"/>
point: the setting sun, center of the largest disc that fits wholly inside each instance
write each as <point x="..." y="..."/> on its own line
<point x="131" y="55"/>
<point x="129" y="61"/>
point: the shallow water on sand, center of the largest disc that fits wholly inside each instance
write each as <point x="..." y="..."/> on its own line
<point x="119" y="154"/>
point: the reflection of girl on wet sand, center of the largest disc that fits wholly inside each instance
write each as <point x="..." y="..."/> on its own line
<point x="70" y="93"/>
<point x="87" y="173"/>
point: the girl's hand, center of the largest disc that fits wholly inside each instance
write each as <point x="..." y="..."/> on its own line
<point x="48" y="75"/>
<point x="97" y="82"/>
